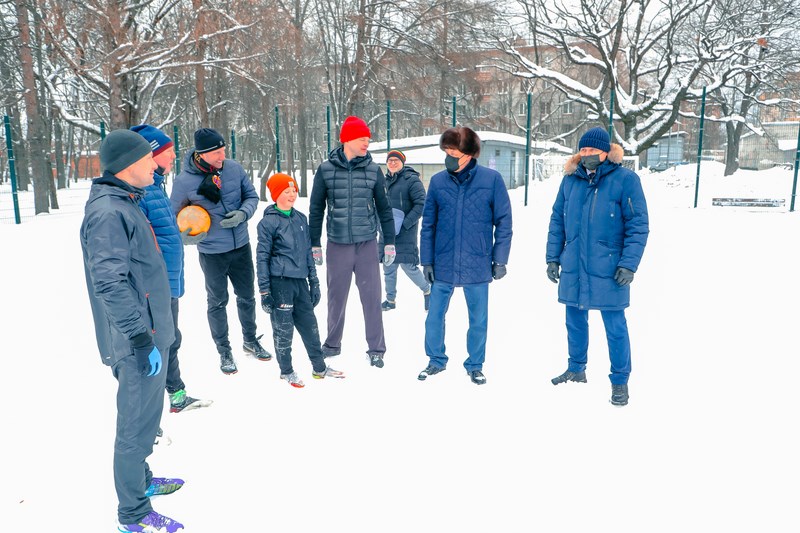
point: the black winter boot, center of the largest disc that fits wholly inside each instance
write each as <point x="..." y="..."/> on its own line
<point x="578" y="377"/>
<point x="226" y="363"/>
<point x="619" y="395"/>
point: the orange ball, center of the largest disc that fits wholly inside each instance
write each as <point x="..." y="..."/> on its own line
<point x="195" y="217"/>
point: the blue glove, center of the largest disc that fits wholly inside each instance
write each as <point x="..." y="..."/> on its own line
<point x="233" y="219"/>
<point x="148" y="358"/>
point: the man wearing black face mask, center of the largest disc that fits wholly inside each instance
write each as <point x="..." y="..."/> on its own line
<point x="465" y="242"/>
<point x="598" y="232"/>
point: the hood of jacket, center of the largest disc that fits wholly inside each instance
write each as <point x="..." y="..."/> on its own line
<point x="614" y="155"/>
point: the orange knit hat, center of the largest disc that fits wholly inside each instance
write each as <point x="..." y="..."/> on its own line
<point x="278" y="183"/>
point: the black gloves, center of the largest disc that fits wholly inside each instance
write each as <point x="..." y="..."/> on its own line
<point x="192" y="239"/>
<point x="498" y="271"/>
<point x="316" y="295"/>
<point x="623" y="276"/>
<point x="552" y="271"/>
<point x="267" y="303"/>
<point x="427" y="271"/>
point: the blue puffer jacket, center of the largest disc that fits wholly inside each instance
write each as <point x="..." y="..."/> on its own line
<point x="597" y="225"/>
<point x="157" y="208"/>
<point x="237" y="193"/>
<point x="466" y="226"/>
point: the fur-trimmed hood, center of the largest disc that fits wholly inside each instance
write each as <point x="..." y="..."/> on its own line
<point x="614" y="155"/>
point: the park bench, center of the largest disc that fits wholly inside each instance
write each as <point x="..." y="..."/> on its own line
<point x="748" y="202"/>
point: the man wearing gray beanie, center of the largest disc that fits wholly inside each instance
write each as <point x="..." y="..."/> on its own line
<point x="598" y="232"/>
<point x="130" y="300"/>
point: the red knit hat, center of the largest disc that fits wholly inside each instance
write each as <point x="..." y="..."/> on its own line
<point x="278" y="183"/>
<point x="353" y="128"/>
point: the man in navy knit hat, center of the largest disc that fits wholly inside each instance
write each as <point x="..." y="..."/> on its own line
<point x="130" y="300"/>
<point x="157" y="208"/>
<point x="222" y="187"/>
<point x="598" y="232"/>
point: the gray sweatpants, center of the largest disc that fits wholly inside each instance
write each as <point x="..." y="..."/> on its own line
<point x="140" y="402"/>
<point x="343" y="261"/>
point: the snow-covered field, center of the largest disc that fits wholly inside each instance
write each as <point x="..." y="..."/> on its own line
<point x="706" y="444"/>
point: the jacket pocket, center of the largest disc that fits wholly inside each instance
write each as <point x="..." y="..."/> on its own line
<point x="604" y="258"/>
<point x="569" y="256"/>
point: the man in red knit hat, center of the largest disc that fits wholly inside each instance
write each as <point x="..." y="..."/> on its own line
<point x="353" y="189"/>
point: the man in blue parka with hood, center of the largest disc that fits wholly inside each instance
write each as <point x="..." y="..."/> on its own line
<point x="598" y="232"/>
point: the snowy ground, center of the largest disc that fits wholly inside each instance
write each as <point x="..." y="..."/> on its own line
<point x="707" y="442"/>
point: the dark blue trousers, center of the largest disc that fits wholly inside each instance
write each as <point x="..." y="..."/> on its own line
<point x="236" y="265"/>
<point x="174" y="381"/>
<point x="619" y="344"/>
<point x="477" y="297"/>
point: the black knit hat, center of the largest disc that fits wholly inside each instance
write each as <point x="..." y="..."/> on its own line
<point x="121" y="149"/>
<point x="207" y="140"/>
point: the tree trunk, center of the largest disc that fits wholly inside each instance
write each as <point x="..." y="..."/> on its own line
<point x="733" y="134"/>
<point x="37" y="133"/>
<point x="58" y="133"/>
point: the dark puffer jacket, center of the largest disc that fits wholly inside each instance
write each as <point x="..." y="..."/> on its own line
<point x="354" y="192"/>
<point x="284" y="247"/>
<point x="125" y="273"/>
<point x="157" y="208"/>
<point x="238" y="193"/>
<point x="407" y="194"/>
<point x="466" y="226"/>
<point x="598" y="224"/>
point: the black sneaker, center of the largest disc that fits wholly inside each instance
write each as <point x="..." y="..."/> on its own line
<point x="477" y="377"/>
<point x="387" y="305"/>
<point x="427" y="297"/>
<point x="226" y="363"/>
<point x="255" y="349"/>
<point x="376" y="359"/>
<point x="619" y="394"/>
<point x="577" y="377"/>
<point x="429" y="371"/>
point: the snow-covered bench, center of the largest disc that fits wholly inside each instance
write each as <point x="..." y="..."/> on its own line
<point x="748" y="202"/>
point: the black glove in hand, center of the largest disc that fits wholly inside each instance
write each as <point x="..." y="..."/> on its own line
<point x="192" y="239"/>
<point x="233" y="219"/>
<point x="623" y="276"/>
<point x="148" y="358"/>
<point x="498" y="271"/>
<point x="427" y="271"/>
<point x="553" y="271"/>
<point x="267" y="303"/>
<point x="316" y="294"/>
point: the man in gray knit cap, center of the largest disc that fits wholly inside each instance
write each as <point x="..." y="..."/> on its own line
<point x="130" y="300"/>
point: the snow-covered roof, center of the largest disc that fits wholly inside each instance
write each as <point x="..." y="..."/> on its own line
<point x="408" y="144"/>
<point x="787" y="144"/>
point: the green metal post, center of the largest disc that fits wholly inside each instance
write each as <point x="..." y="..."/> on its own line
<point x="12" y="168"/>
<point x="796" y="165"/>
<point x="328" y="115"/>
<point x="454" y="111"/>
<point x="700" y="146"/>
<point x="611" y="115"/>
<point x="277" y="139"/>
<point x="176" y="140"/>
<point x="388" y="125"/>
<point x="102" y="131"/>
<point x="233" y="144"/>
<point x="527" y="147"/>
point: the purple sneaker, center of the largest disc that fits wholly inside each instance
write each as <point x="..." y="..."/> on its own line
<point x="152" y="523"/>
<point x="163" y="485"/>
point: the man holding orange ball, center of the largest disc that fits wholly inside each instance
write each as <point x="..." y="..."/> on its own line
<point x="222" y="187"/>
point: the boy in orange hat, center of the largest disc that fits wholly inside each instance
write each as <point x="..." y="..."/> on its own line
<point x="283" y="264"/>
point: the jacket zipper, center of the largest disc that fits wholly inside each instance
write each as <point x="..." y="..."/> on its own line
<point x="594" y="198"/>
<point x="630" y="204"/>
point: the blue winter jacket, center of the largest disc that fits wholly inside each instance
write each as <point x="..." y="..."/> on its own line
<point x="466" y="226"/>
<point x="157" y="208"/>
<point x="597" y="225"/>
<point x="237" y="193"/>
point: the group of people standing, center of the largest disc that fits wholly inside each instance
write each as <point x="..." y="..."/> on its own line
<point x="134" y="260"/>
